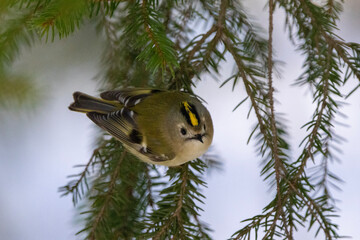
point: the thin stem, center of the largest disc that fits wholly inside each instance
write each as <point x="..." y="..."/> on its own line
<point x="279" y="210"/>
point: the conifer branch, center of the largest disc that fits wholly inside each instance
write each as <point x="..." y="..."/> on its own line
<point x="256" y="222"/>
<point x="325" y="29"/>
<point x="200" y="43"/>
<point x="150" y="32"/>
<point x="229" y="46"/>
<point x="241" y="68"/>
<point x="337" y="45"/>
<point x="333" y="43"/>
<point x="157" y="48"/>
<point x="109" y="195"/>
<point x="315" y="211"/>
<point x="313" y="136"/>
<point x="277" y="166"/>
<point x="177" y="213"/>
<point x="74" y="186"/>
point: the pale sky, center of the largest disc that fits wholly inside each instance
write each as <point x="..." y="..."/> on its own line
<point x="38" y="149"/>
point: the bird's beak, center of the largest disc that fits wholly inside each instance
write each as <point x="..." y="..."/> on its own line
<point x="199" y="137"/>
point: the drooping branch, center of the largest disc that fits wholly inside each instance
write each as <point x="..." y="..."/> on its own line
<point x="75" y="187"/>
<point x="150" y="32"/>
<point x="262" y="127"/>
<point x="275" y="150"/>
<point x="109" y="195"/>
<point x="176" y="215"/>
<point x="307" y="153"/>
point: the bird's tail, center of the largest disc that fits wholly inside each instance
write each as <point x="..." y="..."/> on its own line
<point x="86" y="103"/>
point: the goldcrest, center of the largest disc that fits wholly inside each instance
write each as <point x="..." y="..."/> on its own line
<point x="157" y="126"/>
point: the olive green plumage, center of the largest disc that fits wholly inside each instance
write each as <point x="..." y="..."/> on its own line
<point x="159" y="127"/>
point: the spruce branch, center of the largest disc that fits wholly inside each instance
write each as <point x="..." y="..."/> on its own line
<point x="177" y="214"/>
<point x="231" y="48"/>
<point x="61" y="17"/>
<point x="275" y="149"/>
<point x="150" y="32"/>
<point x="157" y="49"/>
<point x="117" y="197"/>
<point x="76" y="187"/>
<point x="109" y="195"/>
<point x="334" y="43"/>
<point x="254" y="225"/>
<point x="307" y="153"/>
<point x="317" y="213"/>
<point x="222" y="14"/>
<point x="265" y="118"/>
<point x="200" y="43"/>
<point x="324" y="23"/>
<point x="279" y="165"/>
<point x="251" y="90"/>
<point x="120" y="67"/>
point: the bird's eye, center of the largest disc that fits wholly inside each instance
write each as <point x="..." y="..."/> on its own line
<point x="183" y="131"/>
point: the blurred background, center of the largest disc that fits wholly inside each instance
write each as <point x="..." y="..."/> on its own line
<point x="40" y="146"/>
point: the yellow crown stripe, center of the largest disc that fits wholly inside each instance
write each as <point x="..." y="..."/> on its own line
<point x="193" y="118"/>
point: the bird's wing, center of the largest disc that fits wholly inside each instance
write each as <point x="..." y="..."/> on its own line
<point x="122" y="125"/>
<point x="130" y="96"/>
<point x="119" y="124"/>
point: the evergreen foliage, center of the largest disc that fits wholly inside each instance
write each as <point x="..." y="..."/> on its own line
<point x="152" y="43"/>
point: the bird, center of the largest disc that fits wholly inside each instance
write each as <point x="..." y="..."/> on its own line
<point x="157" y="126"/>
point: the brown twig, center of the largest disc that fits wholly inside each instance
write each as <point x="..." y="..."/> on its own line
<point x="275" y="153"/>
<point x="222" y="13"/>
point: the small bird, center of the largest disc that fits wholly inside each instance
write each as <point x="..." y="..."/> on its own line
<point x="157" y="126"/>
